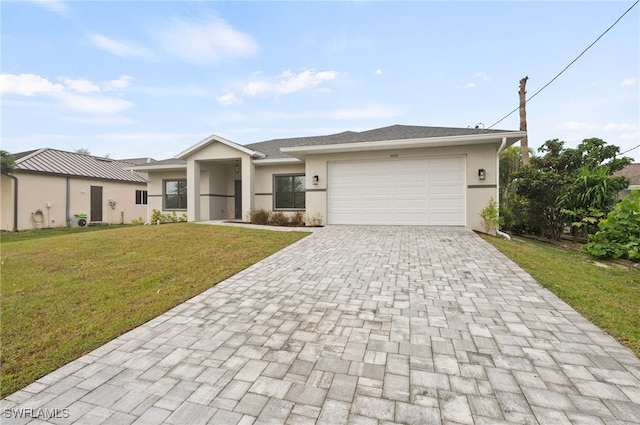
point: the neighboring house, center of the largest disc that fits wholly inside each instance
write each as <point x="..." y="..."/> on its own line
<point x="632" y="172"/>
<point x="49" y="187"/>
<point x="397" y="175"/>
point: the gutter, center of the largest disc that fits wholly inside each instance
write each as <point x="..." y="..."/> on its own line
<point x="502" y="147"/>
<point x="15" y="201"/>
<point x="68" y="202"/>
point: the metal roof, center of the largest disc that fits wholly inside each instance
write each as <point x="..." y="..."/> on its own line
<point x="52" y="161"/>
<point x="271" y="148"/>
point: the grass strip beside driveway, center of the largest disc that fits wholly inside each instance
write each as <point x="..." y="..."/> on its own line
<point x="604" y="293"/>
<point x="66" y="295"/>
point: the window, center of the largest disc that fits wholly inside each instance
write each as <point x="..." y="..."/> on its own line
<point x="289" y="192"/>
<point x="141" y="197"/>
<point x="175" y="194"/>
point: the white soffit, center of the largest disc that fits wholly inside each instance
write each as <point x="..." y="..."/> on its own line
<point x="512" y="137"/>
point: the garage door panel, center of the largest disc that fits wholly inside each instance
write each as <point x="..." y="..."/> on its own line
<point x="409" y="204"/>
<point x="455" y="190"/>
<point x="422" y="191"/>
<point x="446" y="177"/>
<point x="373" y="204"/>
<point x="446" y="163"/>
<point x="446" y="219"/>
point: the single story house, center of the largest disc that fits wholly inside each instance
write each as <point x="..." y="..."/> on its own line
<point x="397" y="175"/>
<point x="632" y="172"/>
<point x="50" y="187"/>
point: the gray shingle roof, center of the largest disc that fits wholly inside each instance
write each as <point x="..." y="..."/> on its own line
<point x="632" y="172"/>
<point x="52" y="161"/>
<point x="271" y="148"/>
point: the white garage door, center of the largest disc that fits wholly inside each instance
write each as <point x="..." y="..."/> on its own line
<point x="419" y="191"/>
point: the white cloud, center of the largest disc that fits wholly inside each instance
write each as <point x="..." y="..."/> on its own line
<point x="57" y="6"/>
<point x="81" y="86"/>
<point x="27" y="84"/>
<point x="204" y="43"/>
<point x="96" y="104"/>
<point x="229" y="99"/>
<point x="628" y="82"/>
<point x="80" y="95"/>
<point x="288" y="82"/>
<point x="190" y="90"/>
<point x="574" y="125"/>
<point x="378" y="71"/>
<point x="470" y="86"/>
<point x="620" y="126"/>
<point x="121" y="83"/>
<point x="119" y="48"/>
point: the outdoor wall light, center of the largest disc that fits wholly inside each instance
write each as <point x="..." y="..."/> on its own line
<point x="482" y="174"/>
<point x="237" y="167"/>
<point x="315" y="180"/>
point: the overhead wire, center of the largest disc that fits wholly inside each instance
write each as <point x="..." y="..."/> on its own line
<point x="570" y="63"/>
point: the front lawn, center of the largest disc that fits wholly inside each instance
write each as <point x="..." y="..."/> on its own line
<point x="67" y="293"/>
<point x="602" y="291"/>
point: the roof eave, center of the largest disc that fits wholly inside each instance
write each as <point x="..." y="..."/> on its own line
<point x="475" y="139"/>
<point x="277" y="161"/>
<point x="151" y="168"/>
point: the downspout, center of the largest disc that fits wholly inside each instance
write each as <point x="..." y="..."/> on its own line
<point x="15" y="201"/>
<point x="68" y="202"/>
<point x="502" y="147"/>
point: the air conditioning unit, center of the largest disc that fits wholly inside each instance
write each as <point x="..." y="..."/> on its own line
<point x="78" y="222"/>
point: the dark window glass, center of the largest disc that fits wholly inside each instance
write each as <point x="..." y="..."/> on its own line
<point x="175" y="194"/>
<point x="289" y="192"/>
<point x="141" y="197"/>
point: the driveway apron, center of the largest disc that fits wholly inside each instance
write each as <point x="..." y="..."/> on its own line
<point x="357" y="325"/>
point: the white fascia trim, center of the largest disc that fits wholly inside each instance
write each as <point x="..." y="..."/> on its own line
<point x="214" y="138"/>
<point x="152" y="168"/>
<point x="277" y="161"/>
<point x="31" y="155"/>
<point x="475" y="139"/>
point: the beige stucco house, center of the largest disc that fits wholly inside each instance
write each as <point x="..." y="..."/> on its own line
<point x="397" y="175"/>
<point x="50" y="187"/>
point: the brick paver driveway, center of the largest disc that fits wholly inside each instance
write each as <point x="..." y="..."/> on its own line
<point x="359" y="325"/>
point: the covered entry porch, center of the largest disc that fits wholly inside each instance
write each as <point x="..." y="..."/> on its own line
<point x="220" y="180"/>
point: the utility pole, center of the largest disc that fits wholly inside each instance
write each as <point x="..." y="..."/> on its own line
<point x="524" y="143"/>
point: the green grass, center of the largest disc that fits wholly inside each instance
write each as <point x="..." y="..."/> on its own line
<point x="65" y="293"/>
<point x="604" y="292"/>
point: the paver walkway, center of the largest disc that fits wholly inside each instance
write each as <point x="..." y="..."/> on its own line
<point x="358" y="325"/>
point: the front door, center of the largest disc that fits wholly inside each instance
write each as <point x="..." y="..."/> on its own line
<point x="96" y="203"/>
<point x="238" y="199"/>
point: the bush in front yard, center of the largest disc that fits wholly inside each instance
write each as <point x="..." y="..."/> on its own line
<point x="279" y="219"/>
<point x="260" y="216"/>
<point x="297" y="219"/>
<point x="619" y="234"/>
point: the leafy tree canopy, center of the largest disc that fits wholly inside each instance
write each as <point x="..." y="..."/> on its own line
<point x="7" y="162"/>
<point x="563" y="182"/>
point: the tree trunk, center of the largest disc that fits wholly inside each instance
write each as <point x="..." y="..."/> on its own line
<point x="524" y="143"/>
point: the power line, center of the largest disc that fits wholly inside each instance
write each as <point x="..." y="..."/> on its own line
<point x="567" y="67"/>
<point x="629" y="150"/>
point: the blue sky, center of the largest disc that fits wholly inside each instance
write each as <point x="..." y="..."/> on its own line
<point x="151" y="78"/>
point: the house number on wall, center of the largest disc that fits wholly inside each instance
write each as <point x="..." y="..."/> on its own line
<point x="393" y="155"/>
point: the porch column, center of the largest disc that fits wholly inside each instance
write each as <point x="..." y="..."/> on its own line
<point x="248" y="188"/>
<point x="193" y="190"/>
